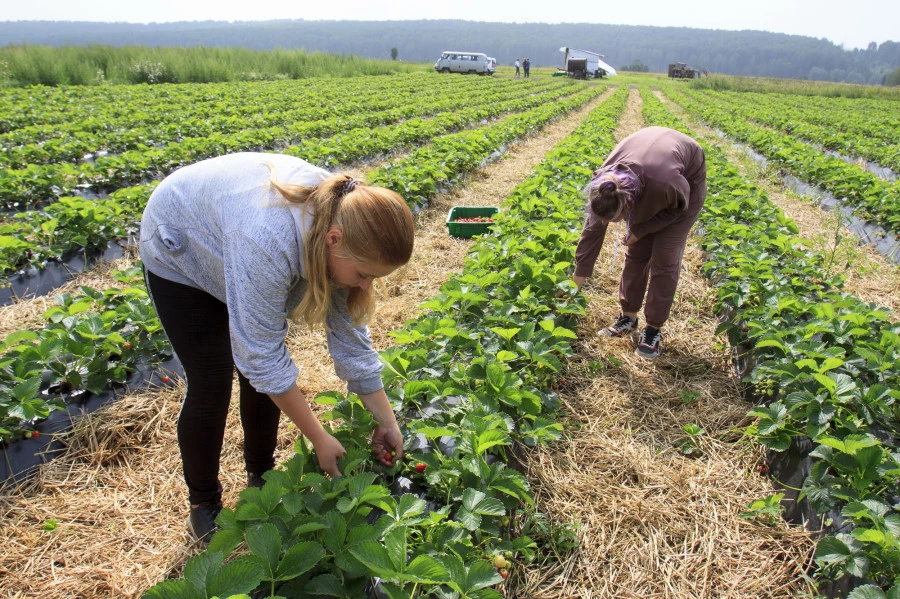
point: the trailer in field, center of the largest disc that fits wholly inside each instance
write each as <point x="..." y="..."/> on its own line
<point x="584" y="64"/>
<point x="679" y="70"/>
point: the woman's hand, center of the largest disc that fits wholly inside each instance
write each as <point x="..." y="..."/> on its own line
<point x="387" y="437"/>
<point x="630" y="240"/>
<point x="387" y="443"/>
<point x="579" y="281"/>
<point x="329" y="450"/>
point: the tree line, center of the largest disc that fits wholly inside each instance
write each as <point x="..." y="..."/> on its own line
<point x="752" y="53"/>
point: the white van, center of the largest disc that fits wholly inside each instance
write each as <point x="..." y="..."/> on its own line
<point x="465" y="62"/>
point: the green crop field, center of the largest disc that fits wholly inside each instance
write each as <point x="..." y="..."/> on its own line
<point x="809" y="353"/>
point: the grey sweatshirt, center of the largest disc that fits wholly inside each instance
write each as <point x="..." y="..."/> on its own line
<point x="217" y="225"/>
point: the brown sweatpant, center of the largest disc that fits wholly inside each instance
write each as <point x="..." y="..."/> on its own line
<point x="658" y="257"/>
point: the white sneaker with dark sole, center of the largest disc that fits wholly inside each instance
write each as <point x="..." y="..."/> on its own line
<point x="650" y="344"/>
<point x="624" y="324"/>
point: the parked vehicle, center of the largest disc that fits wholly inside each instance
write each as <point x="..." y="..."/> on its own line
<point x="679" y="70"/>
<point x="582" y="64"/>
<point x="466" y="62"/>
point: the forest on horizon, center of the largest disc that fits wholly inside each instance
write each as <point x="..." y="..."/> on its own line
<point x="748" y="52"/>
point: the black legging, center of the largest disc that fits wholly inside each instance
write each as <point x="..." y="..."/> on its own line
<point x="197" y="326"/>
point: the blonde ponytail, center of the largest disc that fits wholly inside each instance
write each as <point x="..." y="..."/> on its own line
<point x="377" y="228"/>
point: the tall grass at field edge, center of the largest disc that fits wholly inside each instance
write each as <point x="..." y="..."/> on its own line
<point x="22" y="65"/>
<point x="795" y="86"/>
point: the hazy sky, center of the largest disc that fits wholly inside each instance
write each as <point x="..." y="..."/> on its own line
<point x="851" y="23"/>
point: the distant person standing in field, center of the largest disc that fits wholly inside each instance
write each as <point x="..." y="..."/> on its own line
<point x="655" y="181"/>
<point x="517" y="68"/>
<point x="527" y="67"/>
<point x="233" y="248"/>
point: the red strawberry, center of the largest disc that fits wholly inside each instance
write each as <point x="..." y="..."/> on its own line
<point x="504" y="574"/>
<point x="36" y="434"/>
<point x="127" y="346"/>
<point x="420" y="467"/>
<point x="165" y="379"/>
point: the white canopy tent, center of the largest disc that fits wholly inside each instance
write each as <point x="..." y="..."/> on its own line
<point x="592" y="57"/>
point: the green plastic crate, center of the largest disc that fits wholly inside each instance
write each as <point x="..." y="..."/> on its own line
<point x="469" y="229"/>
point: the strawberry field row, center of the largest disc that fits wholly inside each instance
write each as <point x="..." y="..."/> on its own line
<point x="91" y="341"/>
<point x="875" y="200"/>
<point x="363" y="142"/>
<point x="424" y="172"/>
<point x="29" y="239"/>
<point x="38" y="184"/>
<point x="37" y="114"/>
<point x="859" y="117"/>
<point x="824" y="366"/>
<point x="770" y="110"/>
<point x="284" y="122"/>
<point x="474" y="376"/>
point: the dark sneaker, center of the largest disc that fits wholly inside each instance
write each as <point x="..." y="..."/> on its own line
<point x="202" y="521"/>
<point x="624" y="324"/>
<point x="255" y="480"/>
<point x="650" y="344"/>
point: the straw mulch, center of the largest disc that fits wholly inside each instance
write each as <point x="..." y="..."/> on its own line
<point x="118" y="495"/>
<point x="650" y="521"/>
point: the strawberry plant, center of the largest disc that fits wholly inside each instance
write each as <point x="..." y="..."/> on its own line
<point x="692" y="443"/>
<point x="80" y="350"/>
<point x="806" y="348"/>
<point x="767" y="509"/>
<point x="207" y="575"/>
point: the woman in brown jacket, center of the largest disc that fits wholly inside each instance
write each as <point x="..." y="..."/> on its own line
<point x="655" y="181"/>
